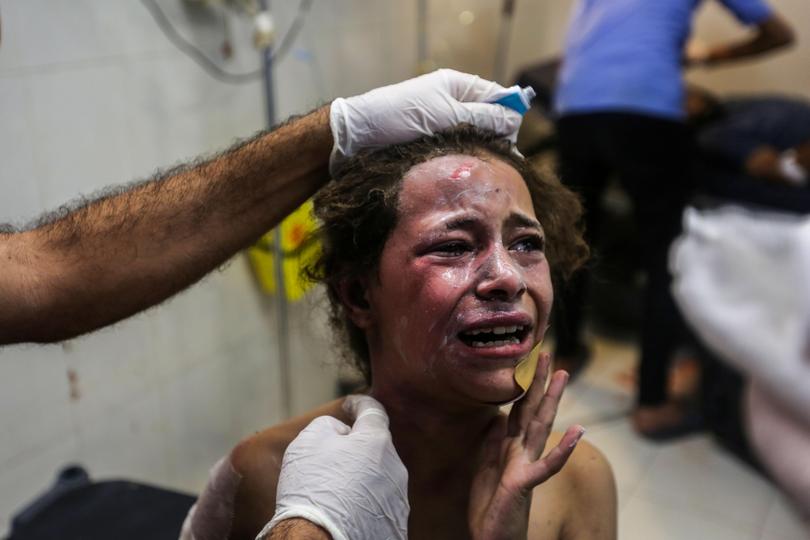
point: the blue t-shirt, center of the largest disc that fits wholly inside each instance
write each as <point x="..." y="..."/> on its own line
<point x="625" y="55"/>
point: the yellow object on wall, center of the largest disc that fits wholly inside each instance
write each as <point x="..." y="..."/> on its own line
<point x="299" y="250"/>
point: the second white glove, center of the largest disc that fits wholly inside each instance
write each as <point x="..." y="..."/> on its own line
<point x="350" y="481"/>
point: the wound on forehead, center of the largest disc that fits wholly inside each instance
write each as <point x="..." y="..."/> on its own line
<point x="463" y="171"/>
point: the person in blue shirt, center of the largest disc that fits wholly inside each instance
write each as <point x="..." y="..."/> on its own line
<point x="619" y="109"/>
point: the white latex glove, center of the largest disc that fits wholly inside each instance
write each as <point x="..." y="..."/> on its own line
<point x="350" y="481"/>
<point x="411" y="109"/>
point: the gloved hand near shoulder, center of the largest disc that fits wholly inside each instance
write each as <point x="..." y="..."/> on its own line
<point x="411" y="109"/>
<point x="349" y="481"/>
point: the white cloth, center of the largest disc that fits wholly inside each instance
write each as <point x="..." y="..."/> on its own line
<point x="742" y="280"/>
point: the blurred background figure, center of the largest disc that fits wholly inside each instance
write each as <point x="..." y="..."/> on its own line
<point x="740" y="272"/>
<point x="619" y="106"/>
<point x="753" y="148"/>
<point x="740" y="277"/>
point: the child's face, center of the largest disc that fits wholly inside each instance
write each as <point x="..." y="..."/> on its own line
<point x="464" y="290"/>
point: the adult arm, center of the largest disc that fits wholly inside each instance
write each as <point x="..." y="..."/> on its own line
<point x="110" y="258"/>
<point x="123" y="253"/>
<point x="298" y="529"/>
<point x="770" y="34"/>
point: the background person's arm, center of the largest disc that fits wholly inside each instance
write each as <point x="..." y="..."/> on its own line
<point x="771" y="34"/>
<point x="789" y="167"/>
<point x="123" y="253"/>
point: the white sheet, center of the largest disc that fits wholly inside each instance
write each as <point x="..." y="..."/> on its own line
<point x="742" y="280"/>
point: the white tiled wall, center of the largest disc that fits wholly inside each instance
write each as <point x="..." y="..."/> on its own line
<point x="16" y="138"/>
<point x="93" y="94"/>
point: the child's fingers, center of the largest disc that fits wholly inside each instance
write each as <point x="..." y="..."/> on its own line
<point x="541" y="423"/>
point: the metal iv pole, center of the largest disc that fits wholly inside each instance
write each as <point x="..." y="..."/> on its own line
<point x="282" y="308"/>
<point x="504" y="38"/>
<point x="423" y="63"/>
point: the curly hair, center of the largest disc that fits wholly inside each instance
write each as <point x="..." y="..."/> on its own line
<point x="357" y="211"/>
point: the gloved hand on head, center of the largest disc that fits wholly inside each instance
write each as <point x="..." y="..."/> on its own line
<point x="349" y="481"/>
<point x="411" y="109"/>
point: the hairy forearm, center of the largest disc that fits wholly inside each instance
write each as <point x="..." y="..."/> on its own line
<point x="122" y="253"/>
<point x="298" y="529"/>
<point x="772" y="34"/>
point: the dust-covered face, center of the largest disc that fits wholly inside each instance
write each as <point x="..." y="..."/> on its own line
<point x="463" y="289"/>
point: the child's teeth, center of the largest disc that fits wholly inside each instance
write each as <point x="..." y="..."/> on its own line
<point x="499" y="343"/>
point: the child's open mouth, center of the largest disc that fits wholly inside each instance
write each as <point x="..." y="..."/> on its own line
<point x="494" y="336"/>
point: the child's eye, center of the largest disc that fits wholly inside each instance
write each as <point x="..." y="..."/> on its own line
<point x="530" y="243"/>
<point x="453" y="249"/>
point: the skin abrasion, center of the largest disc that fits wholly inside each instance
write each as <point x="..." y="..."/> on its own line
<point x="463" y="171"/>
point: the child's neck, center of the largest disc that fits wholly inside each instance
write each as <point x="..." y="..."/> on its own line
<point x="434" y="436"/>
<point x="440" y="446"/>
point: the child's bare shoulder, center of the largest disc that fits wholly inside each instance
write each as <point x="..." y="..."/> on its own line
<point x="257" y="459"/>
<point x="580" y="501"/>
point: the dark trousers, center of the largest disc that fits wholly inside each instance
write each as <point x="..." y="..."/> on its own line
<point x="651" y="158"/>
